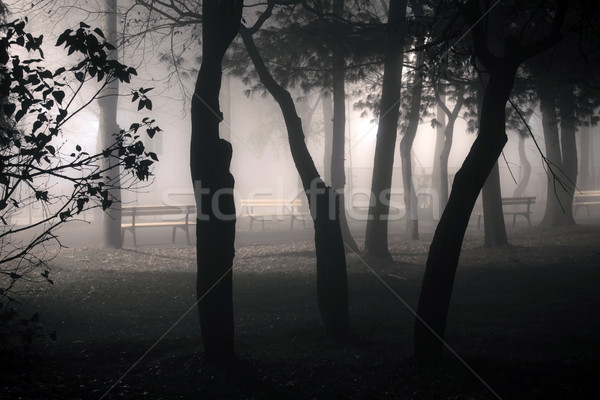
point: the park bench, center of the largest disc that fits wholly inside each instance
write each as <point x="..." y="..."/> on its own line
<point x="134" y="217"/>
<point x="585" y="198"/>
<point x="360" y="211"/>
<point x="514" y="206"/>
<point x="267" y="209"/>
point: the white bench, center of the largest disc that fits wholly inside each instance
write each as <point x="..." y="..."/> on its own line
<point x="267" y="209"/>
<point x="134" y="217"/>
<point x="515" y="206"/>
<point x="585" y="198"/>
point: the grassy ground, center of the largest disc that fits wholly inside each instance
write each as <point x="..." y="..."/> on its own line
<point x="525" y="319"/>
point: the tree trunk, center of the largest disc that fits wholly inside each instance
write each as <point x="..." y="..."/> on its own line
<point x="491" y="195"/>
<point x="525" y="173"/>
<point x="585" y="165"/>
<point x="556" y="213"/>
<point x="445" y="248"/>
<point x="327" y="134"/>
<point x="568" y="144"/>
<point x="376" y="239"/>
<point x="493" y="217"/>
<point x="210" y="158"/>
<point x="332" y="281"/>
<point x="406" y="144"/>
<point x="436" y="174"/>
<point x="107" y="127"/>
<point x="338" y="169"/>
<point x="447" y="141"/>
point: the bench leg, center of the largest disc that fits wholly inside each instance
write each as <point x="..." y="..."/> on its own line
<point x="173" y="237"/>
<point x="187" y="234"/>
<point x="292" y="222"/>
<point x="514" y="220"/>
<point x="134" y="237"/>
<point x="478" y="222"/>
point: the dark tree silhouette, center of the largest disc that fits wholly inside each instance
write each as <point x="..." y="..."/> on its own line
<point x="210" y="157"/>
<point x="332" y="285"/>
<point x="501" y="59"/>
<point x="376" y="240"/>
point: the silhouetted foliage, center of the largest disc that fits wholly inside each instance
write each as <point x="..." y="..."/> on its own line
<point x="38" y="166"/>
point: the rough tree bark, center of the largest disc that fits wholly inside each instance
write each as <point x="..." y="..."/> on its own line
<point x="376" y="239"/>
<point x="332" y="280"/>
<point x="210" y="158"/>
<point x="406" y="144"/>
<point x="107" y="127"/>
<point x="338" y="148"/>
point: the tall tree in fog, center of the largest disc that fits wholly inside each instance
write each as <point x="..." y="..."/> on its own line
<point x="107" y="128"/>
<point x="413" y="117"/>
<point x="501" y="56"/>
<point x="338" y="148"/>
<point x="332" y="285"/>
<point x="440" y="165"/>
<point x="376" y="240"/>
<point x="210" y="157"/>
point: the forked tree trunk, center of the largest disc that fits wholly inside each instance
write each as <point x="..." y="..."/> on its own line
<point x="376" y="239"/>
<point x="525" y="173"/>
<point x="445" y="248"/>
<point x="338" y="169"/>
<point x="332" y="281"/>
<point x="107" y="127"/>
<point x="210" y="158"/>
<point x="447" y="142"/>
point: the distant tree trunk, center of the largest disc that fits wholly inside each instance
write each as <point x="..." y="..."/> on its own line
<point x="525" y="173"/>
<point x="568" y="143"/>
<point x="406" y="144"/>
<point x="376" y="239"/>
<point x="585" y="165"/>
<point x="332" y="281"/>
<point x="557" y="201"/>
<point x="436" y="179"/>
<point x="493" y="216"/>
<point x="447" y="144"/>
<point x="107" y="127"/>
<point x="491" y="196"/>
<point x="210" y="159"/>
<point x="445" y="248"/>
<point x="338" y="168"/>
<point x="327" y="134"/>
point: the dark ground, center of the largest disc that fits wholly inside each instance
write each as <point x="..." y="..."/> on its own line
<point x="525" y="319"/>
